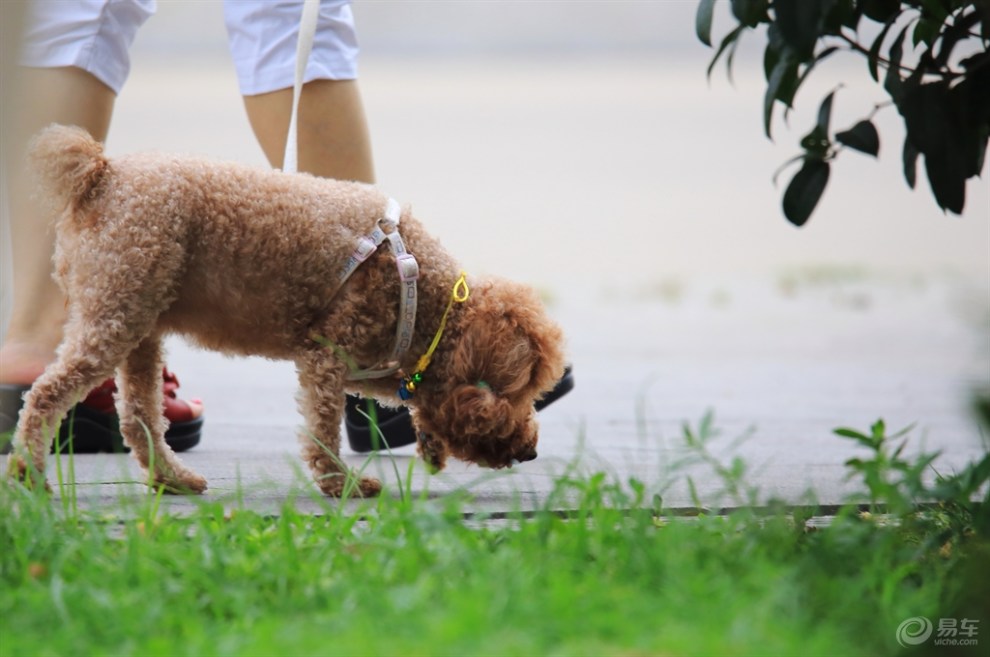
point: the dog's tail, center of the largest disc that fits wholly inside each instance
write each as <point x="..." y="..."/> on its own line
<point x="69" y="165"/>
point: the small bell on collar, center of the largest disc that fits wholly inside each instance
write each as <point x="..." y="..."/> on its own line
<point x="407" y="386"/>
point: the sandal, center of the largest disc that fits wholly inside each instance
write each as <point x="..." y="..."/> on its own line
<point x="395" y="428"/>
<point x="92" y="424"/>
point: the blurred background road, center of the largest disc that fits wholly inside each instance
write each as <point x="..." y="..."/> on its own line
<point x="579" y="147"/>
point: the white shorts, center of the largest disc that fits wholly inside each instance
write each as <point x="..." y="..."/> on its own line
<point x="96" y="36"/>
<point x="263" y="34"/>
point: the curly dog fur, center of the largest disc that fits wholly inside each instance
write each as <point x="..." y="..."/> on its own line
<point x="245" y="261"/>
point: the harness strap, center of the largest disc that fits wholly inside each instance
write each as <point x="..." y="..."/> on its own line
<point x="408" y="270"/>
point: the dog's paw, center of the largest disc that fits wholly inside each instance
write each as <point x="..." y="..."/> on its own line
<point x="19" y="470"/>
<point x="189" y="483"/>
<point x="433" y="451"/>
<point x="370" y="487"/>
<point x="339" y="485"/>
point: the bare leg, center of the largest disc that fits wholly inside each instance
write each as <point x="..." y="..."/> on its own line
<point x="321" y="402"/>
<point x="55" y="95"/>
<point x="70" y="96"/>
<point x="333" y="133"/>
<point x="142" y="423"/>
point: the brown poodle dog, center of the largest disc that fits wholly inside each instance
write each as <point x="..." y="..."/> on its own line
<point x="248" y="261"/>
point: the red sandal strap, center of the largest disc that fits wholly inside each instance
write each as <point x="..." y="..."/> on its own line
<point x="101" y="399"/>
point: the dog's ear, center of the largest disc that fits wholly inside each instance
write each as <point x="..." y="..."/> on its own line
<point x="476" y="409"/>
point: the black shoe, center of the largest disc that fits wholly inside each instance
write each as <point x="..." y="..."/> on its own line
<point x="90" y="431"/>
<point x="395" y="427"/>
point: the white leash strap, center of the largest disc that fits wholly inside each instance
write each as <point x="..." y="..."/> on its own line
<point x="304" y="46"/>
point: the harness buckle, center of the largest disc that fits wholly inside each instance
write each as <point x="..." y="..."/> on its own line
<point x="408" y="267"/>
<point x="365" y="247"/>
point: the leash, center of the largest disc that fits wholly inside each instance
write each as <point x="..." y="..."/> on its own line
<point x="386" y="229"/>
<point x="304" y="46"/>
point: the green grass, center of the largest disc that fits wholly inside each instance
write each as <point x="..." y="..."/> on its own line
<point x="413" y="577"/>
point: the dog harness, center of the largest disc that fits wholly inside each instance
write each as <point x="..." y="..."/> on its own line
<point x="387" y="229"/>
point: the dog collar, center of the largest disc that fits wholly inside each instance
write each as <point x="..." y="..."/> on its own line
<point x="460" y="294"/>
<point x="387" y="229"/>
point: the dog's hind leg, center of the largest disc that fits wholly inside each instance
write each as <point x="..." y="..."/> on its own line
<point x="321" y="401"/>
<point x="143" y="424"/>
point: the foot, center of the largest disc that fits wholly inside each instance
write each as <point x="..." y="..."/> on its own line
<point x="92" y="424"/>
<point x="185" y="483"/>
<point x="338" y="485"/>
<point x="23" y="362"/>
<point x="177" y="410"/>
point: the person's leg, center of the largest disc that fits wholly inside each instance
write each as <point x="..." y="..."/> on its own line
<point x="66" y="95"/>
<point x="333" y="133"/>
<point x="74" y="60"/>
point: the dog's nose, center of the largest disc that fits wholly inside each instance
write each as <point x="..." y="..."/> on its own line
<point x="531" y="456"/>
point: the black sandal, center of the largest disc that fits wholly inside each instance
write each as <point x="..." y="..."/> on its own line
<point x="90" y="431"/>
<point x="395" y="427"/>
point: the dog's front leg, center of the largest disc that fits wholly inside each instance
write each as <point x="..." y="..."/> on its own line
<point x="321" y="401"/>
<point x="143" y="424"/>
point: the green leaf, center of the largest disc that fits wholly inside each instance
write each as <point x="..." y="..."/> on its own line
<point x="910" y="160"/>
<point x="851" y="433"/>
<point x="749" y="12"/>
<point x="780" y="169"/>
<point x="825" y="113"/>
<point x="969" y="104"/>
<point x="873" y="57"/>
<point x="703" y="21"/>
<point x="781" y="85"/>
<point x="840" y="13"/>
<point x="956" y="31"/>
<point x="925" y="31"/>
<point x="816" y="142"/>
<point x="805" y="190"/>
<point x="893" y="82"/>
<point x="934" y="9"/>
<point x="881" y="10"/>
<point x="862" y="137"/>
<point x="939" y="132"/>
<point x="770" y="59"/>
<point x="729" y="38"/>
<point x="800" y="23"/>
<point x="787" y="96"/>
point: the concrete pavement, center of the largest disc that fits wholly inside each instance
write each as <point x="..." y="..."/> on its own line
<point x="780" y="362"/>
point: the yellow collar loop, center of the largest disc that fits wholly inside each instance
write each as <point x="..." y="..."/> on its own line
<point x="459" y="294"/>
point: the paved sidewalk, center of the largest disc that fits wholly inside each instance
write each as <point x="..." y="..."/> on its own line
<point x="782" y="361"/>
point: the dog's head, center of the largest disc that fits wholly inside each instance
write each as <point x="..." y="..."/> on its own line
<point x="504" y="354"/>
